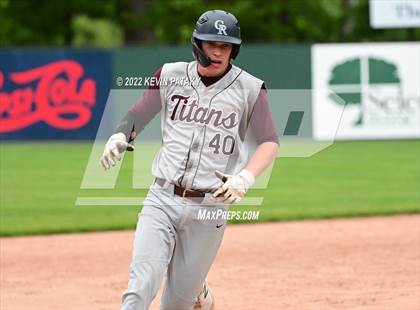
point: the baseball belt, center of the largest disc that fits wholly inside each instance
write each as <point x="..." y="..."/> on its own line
<point x="181" y="191"/>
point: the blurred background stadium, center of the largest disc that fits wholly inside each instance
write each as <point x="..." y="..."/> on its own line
<point x="59" y="63"/>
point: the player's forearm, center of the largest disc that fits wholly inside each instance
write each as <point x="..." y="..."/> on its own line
<point x="264" y="155"/>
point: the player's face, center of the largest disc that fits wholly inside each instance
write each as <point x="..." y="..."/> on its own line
<point x="219" y="53"/>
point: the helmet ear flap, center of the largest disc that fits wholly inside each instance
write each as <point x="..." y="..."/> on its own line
<point x="198" y="53"/>
<point x="198" y="42"/>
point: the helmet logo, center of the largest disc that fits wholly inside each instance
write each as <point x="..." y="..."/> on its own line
<point x="220" y="25"/>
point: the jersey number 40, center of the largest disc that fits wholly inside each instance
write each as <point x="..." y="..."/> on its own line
<point x="227" y="146"/>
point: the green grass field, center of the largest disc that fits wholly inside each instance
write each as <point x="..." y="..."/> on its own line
<point x="41" y="181"/>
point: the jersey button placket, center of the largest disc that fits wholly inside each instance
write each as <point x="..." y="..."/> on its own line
<point x="195" y="146"/>
<point x="190" y="165"/>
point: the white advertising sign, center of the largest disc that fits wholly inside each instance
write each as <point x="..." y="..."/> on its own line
<point x="366" y="91"/>
<point x="394" y="13"/>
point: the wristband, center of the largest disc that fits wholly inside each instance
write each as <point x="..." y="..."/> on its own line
<point x="247" y="177"/>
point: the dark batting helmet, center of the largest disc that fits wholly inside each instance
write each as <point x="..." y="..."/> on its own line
<point x="215" y="25"/>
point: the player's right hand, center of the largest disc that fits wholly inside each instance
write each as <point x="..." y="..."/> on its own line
<point x="116" y="145"/>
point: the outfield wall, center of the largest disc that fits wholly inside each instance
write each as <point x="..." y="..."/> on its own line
<point x="325" y="91"/>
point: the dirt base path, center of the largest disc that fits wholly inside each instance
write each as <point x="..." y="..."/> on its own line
<point x="364" y="263"/>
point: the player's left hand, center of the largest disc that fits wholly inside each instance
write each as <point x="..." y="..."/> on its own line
<point x="235" y="186"/>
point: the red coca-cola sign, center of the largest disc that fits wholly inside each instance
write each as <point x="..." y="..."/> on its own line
<point x="56" y="93"/>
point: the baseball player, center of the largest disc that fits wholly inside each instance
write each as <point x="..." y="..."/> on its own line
<point x="204" y="163"/>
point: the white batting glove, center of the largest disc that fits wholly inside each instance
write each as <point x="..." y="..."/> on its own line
<point x="235" y="186"/>
<point x="116" y="145"/>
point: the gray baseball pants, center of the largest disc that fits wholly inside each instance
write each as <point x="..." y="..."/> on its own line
<point x="171" y="237"/>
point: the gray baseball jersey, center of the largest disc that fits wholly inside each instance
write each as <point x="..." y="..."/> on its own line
<point x="205" y="127"/>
